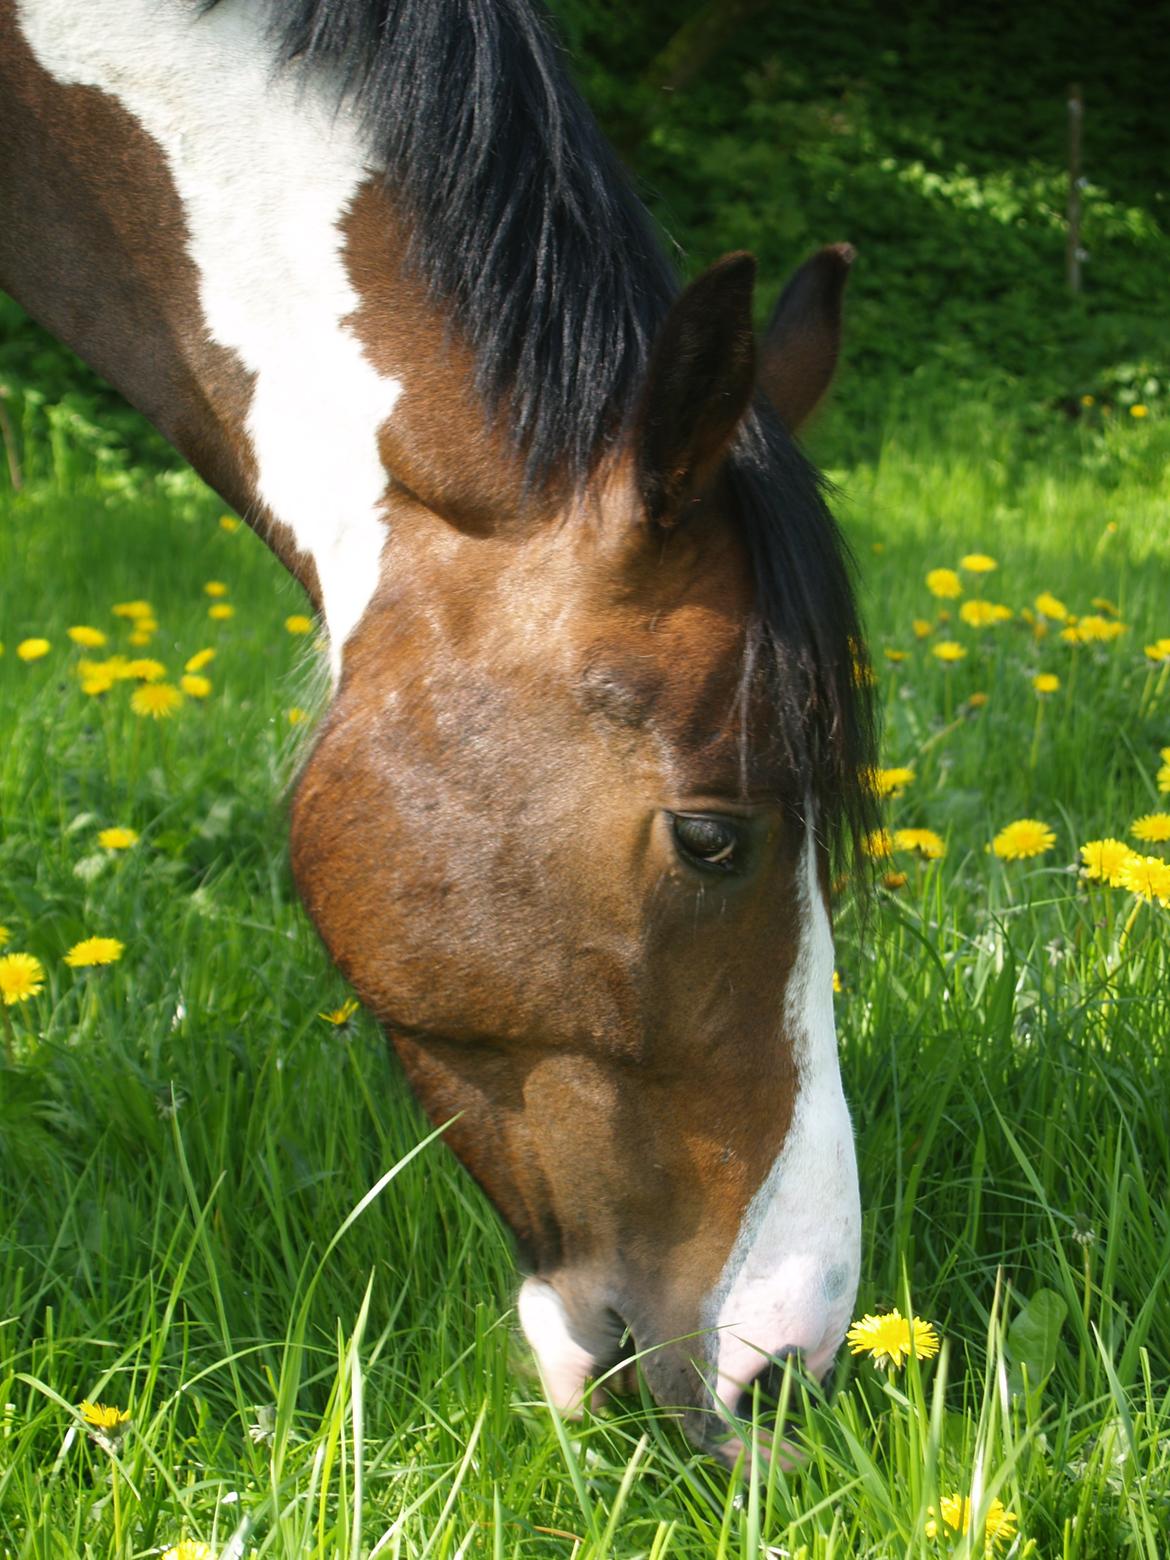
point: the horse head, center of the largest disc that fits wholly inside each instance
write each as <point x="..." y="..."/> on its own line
<point x="565" y="829"/>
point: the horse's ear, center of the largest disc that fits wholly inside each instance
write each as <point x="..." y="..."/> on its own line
<point x="799" y="350"/>
<point x="698" y="386"/>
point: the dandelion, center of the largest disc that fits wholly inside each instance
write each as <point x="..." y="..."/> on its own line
<point x="104" y="1416"/>
<point x="925" y="841"/>
<point x="878" y="844"/>
<point x="837" y="987"/>
<point x="894" y="881"/>
<point x="1154" y="828"/>
<point x="922" y="627"/>
<point x="1025" y="837"/>
<point x="978" y="563"/>
<point x="156" y="700"/>
<point x="948" y="650"/>
<point x="21" y="977"/>
<point x="1046" y="682"/>
<point x="221" y="611"/>
<point x="92" y="951"/>
<point x="191" y="1548"/>
<point x="1094" y="628"/>
<point x="194" y="685"/>
<point x="890" y="782"/>
<point x="215" y="588"/>
<point x="89" y="638"/>
<point x="944" y="583"/>
<point x="894" y="655"/>
<point x="133" y="609"/>
<point x="955" y="1513"/>
<point x="342" y="1015"/>
<point x="1164" y="778"/>
<point x="296" y="715"/>
<point x="298" y="623"/>
<point x="1138" y="410"/>
<point x="199" y="660"/>
<point x="1051" y="606"/>
<point x="117" y="838"/>
<point x="1103" y="860"/>
<point x="96" y="683"/>
<point x="977" y="614"/>
<point x="1159" y="650"/>
<point x="33" y="649"/>
<point x="892" y="1338"/>
<point x="1148" y="877"/>
<point x="229" y="523"/>
<point x="976" y="701"/>
<point x="1088" y="400"/>
<point x="146" y="670"/>
<point x="5" y="936"/>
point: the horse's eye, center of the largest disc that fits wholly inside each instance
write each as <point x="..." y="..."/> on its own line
<point x="710" y="843"/>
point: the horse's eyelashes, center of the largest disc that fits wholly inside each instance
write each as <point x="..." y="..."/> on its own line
<point x="707" y="842"/>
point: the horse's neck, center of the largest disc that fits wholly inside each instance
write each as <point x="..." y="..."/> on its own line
<point x="176" y="217"/>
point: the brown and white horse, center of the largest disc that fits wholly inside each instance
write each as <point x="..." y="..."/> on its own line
<point x="596" y="717"/>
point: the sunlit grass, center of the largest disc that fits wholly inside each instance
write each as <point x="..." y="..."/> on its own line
<point x="215" y="1212"/>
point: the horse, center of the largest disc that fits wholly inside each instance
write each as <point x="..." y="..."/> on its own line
<point x="599" y="715"/>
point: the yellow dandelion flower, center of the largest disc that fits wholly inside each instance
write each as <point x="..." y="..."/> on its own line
<point x="298" y="623"/>
<point x="343" y="1014"/>
<point x="115" y="667"/>
<point x="221" y="611"/>
<point x="21" y="977"/>
<point x="199" y="660"/>
<point x="191" y="1548"/>
<point x="139" y="639"/>
<point x="133" y="609"/>
<point x="894" y="881"/>
<point x="33" y="649"/>
<point x="96" y="683"/>
<point x="976" y="701"/>
<point x="5" y="935"/>
<point x="894" y="655"/>
<point x="948" y="650"/>
<point x="215" y="588"/>
<point x="1051" y="606"/>
<point x="194" y="685"/>
<point x="296" y="715"/>
<point x="1103" y="604"/>
<point x="893" y="1337"/>
<point x="146" y="625"/>
<point x="978" y="614"/>
<point x="925" y="841"/>
<point x="1000" y="613"/>
<point x="1025" y="837"/>
<point x="1159" y="650"/>
<point x="837" y="986"/>
<point x="890" y="782"/>
<point x="1164" y="779"/>
<point x="1148" y="877"/>
<point x="1154" y="828"/>
<point x="944" y="583"/>
<point x="954" y="1512"/>
<point x="1088" y="400"/>
<point x="1138" y="410"/>
<point x="878" y="844"/>
<point x="229" y="523"/>
<point x="922" y="627"/>
<point x="94" y="950"/>
<point x="89" y="638"/>
<point x="117" y="838"/>
<point x="1046" y="682"/>
<point x="156" y="700"/>
<point x="978" y="563"/>
<point x="1103" y="860"/>
<point x="146" y="669"/>
<point x="1094" y="628"/>
<point x="103" y="1416"/>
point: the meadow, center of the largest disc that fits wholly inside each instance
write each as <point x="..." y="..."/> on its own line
<point x="223" y="1219"/>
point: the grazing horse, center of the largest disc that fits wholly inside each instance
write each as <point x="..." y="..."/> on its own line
<point x="599" y="710"/>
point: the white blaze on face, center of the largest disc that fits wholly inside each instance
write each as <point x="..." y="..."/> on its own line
<point x="791" y="1279"/>
<point x="266" y="166"/>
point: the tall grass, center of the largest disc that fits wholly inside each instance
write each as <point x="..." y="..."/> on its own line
<point x="224" y="1214"/>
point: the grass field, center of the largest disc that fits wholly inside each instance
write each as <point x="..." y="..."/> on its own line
<point x="221" y="1214"/>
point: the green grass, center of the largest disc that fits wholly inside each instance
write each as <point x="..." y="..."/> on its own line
<point x="188" y="1152"/>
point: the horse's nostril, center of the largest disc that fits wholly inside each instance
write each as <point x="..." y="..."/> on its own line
<point x="769" y="1383"/>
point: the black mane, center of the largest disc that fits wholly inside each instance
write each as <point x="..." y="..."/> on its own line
<point x="524" y="223"/>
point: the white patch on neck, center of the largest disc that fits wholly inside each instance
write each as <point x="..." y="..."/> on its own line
<point x="564" y="1364"/>
<point x="791" y="1279"/>
<point x="266" y="167"/>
